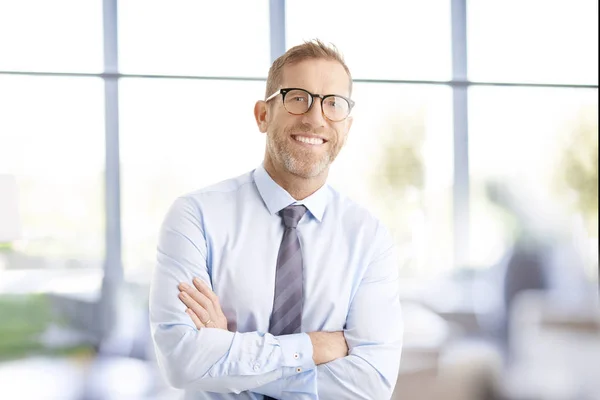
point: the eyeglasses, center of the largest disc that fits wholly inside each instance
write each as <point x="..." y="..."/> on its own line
<point x="299" y="101"/>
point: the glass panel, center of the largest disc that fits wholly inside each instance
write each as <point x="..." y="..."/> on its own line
<point x="534" y="175"/>
<point x="189" y="37"/>
<point x="379" y="39"/>
<point x="179" y="125"/>
<point x="178" y="136"/>
<point x="52" y="141"/>
<point x="398" y="163"/>
<point x="57" y="36"/>
<point x="533" y="41"/>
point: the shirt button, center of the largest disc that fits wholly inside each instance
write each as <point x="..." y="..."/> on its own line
<point x="298" y="369"/>
<point x="256" y="367"/>
<point x="296" y="356"/>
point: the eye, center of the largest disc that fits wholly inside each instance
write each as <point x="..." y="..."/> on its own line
<point x="335" y="102"/>
<point x="332" y="102"/>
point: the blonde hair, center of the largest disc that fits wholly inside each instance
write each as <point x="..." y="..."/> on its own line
<point x="313" y="49"/>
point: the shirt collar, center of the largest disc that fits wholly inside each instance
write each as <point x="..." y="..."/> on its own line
<point x="277" y="198"/>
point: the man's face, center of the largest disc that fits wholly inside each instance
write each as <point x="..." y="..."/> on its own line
<point x="305" y="145"/>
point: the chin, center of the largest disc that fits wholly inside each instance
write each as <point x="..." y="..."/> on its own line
<point x="306" y="171"/>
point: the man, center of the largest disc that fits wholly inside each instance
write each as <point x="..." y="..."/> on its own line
<point x="307" y="281"/>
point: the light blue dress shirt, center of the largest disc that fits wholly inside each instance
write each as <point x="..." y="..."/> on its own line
<point x="229" y="235"/>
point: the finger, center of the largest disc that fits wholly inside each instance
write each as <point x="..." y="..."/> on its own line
<point x="195" y="319"/>
<point x="200" y="312"/>
<point x="205" y="289"/>
<point x="199" y="297"/>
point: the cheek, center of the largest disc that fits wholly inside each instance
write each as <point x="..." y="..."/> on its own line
<point x="274" y="129"/>
<point x="276" y="133"/>
<point x="279" y="116"/>
<point x="276" y="125"/>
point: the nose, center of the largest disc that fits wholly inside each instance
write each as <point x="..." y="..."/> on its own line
<point x="314" y="117"/>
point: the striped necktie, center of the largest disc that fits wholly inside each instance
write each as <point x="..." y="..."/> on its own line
<point x="286" y="317"/>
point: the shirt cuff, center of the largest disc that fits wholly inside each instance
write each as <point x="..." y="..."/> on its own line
<point x="297" y="351"/>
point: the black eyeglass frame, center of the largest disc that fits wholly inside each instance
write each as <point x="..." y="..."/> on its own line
<point x="283" y="92"/>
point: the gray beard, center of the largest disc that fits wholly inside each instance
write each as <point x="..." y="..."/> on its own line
<point x="297" y="166"/>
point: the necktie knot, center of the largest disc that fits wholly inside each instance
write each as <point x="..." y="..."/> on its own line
<point x="291" y="215"/>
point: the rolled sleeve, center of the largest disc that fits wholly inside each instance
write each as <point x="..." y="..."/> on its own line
<point x="297" y="351"/>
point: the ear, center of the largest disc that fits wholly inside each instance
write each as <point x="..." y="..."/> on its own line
<point x="260" y="114"/>
<point x="348" y="123"/>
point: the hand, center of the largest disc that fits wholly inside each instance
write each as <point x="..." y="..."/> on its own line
<point x="203" y="305"/>
<point x="328" y="346"/>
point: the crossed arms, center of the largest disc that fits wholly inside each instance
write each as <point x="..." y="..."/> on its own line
<point x="309" y="366"/>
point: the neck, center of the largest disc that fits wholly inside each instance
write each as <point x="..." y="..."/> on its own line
<point x="297" y="186"/>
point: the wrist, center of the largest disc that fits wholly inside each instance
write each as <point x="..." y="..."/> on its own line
<point x="327" y="346"/>
<point x="315" y="347"/>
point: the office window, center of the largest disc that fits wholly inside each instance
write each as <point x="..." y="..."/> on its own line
<point x="178" y="136"/>
<point x="534" y="170"/>
<point x="398" y="163"/>
<point x="189" y="37"/>
<point x="57" y="36"/>
<point x="379" y="39"/>
<point x="534" y="41"/>
<point x="52" y="140"/>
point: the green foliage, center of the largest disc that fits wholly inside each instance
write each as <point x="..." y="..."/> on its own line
<point x="5" y="246"/>
<point x="400" y="167"/>
<point x="398" y="174"/>
<point x="24" y="318"/>
<point x="578" y="167"/>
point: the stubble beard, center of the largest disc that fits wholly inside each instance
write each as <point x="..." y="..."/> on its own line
<point x="295" y="160"/>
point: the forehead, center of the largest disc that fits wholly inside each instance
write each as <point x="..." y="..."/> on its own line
<point x="317" y="76"/>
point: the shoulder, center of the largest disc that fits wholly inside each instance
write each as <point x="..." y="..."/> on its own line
<point x="356" y="217"/>
<point x="217" y="195"/>
<point x="221" y="193"/>
<point x="228" y="187"/>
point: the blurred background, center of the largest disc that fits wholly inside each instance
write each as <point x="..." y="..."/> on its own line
<point x="475" y="140"/>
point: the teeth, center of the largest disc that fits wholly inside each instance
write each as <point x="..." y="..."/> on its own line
<point x="304" y="139"/>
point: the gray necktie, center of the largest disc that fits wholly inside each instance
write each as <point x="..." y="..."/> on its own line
<point x="287" y="304"/>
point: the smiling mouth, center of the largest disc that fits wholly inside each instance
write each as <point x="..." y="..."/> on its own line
<point x="312" y="140"/>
